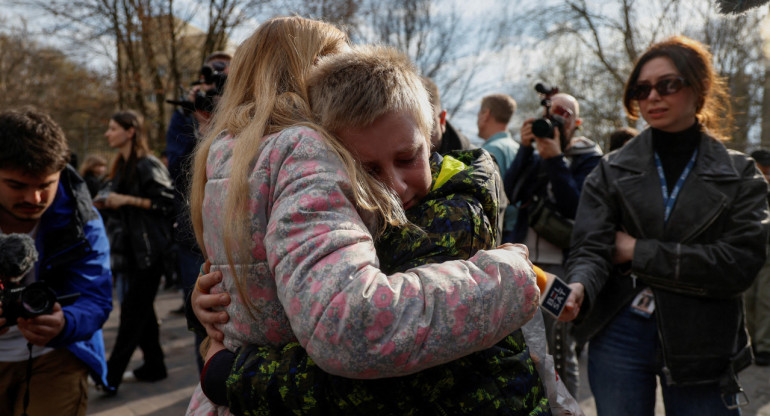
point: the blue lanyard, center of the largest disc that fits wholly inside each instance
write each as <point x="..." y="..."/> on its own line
<point x="670" y="199"/>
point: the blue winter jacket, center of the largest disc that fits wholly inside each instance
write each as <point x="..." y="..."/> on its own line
<point x="74" y="257"/>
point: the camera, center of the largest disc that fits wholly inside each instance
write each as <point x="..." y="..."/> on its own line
<point x="17" y="256"/>
<point x="543" y="127"/>
<point x="26" y="301"/>
<point x="205" y="100"/>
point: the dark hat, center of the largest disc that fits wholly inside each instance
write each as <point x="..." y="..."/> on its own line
<point x="762" y="156"/>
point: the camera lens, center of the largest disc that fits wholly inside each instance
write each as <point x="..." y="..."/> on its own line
<point x="542" y="127"/>
<point x="37" y="299"/>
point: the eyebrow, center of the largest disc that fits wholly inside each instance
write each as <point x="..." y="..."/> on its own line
<point x="414" y="146"/>
<point x="664" y="76"/>
<point x="19" y="183"/>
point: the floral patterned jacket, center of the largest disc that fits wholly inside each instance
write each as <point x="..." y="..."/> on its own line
<point x="456" y="219"/>
<point x="314" y="277"/>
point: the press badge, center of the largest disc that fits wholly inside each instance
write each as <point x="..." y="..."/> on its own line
<point x="644" y="303"/>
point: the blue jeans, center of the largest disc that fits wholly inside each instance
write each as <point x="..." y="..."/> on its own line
<point x="623" y="362"/>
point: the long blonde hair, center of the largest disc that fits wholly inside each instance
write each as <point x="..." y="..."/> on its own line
<point x="264" y="94"/>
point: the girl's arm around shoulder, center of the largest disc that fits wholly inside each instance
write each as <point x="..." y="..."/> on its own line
<point x="354" y="320"/>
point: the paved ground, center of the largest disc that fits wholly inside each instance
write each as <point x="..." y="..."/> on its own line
<point x="170" y="396"/>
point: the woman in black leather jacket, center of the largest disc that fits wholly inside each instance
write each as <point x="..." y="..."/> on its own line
<point x="139" y="209"/>
<point x="670" y="230"/>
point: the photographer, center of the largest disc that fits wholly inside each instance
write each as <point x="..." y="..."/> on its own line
<point x="46" y="359"/>
<point x="187" y="124"/>
<point x="544" y="181"/>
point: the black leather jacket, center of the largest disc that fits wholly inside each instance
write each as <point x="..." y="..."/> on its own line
<point x="144" y="235"/>
<point x="697" y="265"/>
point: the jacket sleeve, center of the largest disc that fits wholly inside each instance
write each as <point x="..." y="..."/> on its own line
<point x="180" y="142"/>
<point x="156" y="185"/>
<point x="357" y="322"/>
<point x="89" y="276"/>
<point x="593" y="236"/>
<point x="723" y="268"/>
<point x="456" y="227"/>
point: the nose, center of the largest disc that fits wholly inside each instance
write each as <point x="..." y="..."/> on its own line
<point x="397" y="183"/>
<point x="653" y="95"/>
<point x="34" y="197"/>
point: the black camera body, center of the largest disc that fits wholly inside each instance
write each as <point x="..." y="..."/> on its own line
<point x="544" y="127"/>
<point x="205" y="100"/>
<point x="26" y="301"/>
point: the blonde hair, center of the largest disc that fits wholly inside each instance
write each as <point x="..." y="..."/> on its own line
<point x="264" y="94"/>
<point x="355" y="88"/>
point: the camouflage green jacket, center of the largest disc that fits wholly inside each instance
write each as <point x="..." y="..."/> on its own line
<point x="457" y="218"/>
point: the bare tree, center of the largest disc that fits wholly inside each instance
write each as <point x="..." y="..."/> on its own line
<point x="150" y="42"/>
<point x="605" y="39"/>
<point x="77" y="97"/>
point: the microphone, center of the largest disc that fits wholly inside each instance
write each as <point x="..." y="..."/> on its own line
<point x="17" y="256"/>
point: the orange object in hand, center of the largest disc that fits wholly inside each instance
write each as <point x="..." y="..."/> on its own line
<point x="542" y="279"/>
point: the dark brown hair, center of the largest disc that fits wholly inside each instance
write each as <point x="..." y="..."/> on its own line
<point x="139" y="147"/>
<point x="693" y="61"/>
<point x="31" y="141"/>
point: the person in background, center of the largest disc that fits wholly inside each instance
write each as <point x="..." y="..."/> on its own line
<point x="281" y="210"/>
<point x="92" y="170"/>
<point x="444" y="138"/>
<point x="492" y="121"/>
<point x="140" y="205"/>
<point x="757" y="298"/>
<point x="48" y="358"/>
<point x="620" y="136"/>
<point x="670" y="231"/>
<point x="545" y="185"/>
<point x="184" y="131"/>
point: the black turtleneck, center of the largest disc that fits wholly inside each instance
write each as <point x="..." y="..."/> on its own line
<point x="675" y="150"/>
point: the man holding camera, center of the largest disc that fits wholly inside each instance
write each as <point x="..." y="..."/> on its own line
<point x="187" y="124"/>
<point x="46" y="359"/>
<point x="544" y="181"/>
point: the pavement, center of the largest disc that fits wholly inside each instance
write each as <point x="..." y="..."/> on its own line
<point x="169" y="397"/>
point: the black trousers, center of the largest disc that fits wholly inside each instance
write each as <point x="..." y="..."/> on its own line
<point x="138" y="324"/>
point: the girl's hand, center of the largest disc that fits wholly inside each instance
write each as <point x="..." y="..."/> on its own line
<point x="520" y="248"/>
<point x="203" y="303"/>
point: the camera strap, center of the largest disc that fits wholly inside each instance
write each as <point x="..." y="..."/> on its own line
<point x="29" y="378"/>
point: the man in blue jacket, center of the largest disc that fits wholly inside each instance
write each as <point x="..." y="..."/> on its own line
<point x="40" y="195"/>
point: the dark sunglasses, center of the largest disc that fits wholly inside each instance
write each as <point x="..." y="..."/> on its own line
<point x="666" y="86"/>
